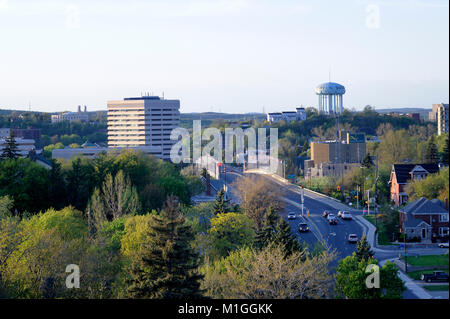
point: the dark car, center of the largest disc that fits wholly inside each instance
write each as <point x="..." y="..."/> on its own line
<point x="352" y="238"/>
<point x="303" y="227"/>
<point x="435" y="276"/>
<point x="325" y="213"/>
<point x="292" y="215"/>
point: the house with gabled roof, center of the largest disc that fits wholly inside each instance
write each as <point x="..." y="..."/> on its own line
<point x="425" y="219"/>
<point x="403" y="174"/>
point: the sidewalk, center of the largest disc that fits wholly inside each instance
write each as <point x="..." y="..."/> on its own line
<point x="410" y="284"/>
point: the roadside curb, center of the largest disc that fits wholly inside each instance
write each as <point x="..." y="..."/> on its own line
<point x="409" y="283"/>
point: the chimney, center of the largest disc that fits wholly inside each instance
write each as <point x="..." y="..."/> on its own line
<point x="446" y="203"/>
<point x="79" y="108"/>
<point x="85" y="109"/>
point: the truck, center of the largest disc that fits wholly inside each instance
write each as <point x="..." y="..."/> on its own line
<point x="435" y="276"/>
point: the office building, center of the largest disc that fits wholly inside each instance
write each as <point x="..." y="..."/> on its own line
<point x="143" y="121"/>
<point x="442" y="119"/>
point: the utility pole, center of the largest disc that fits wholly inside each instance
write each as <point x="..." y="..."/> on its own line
<point x="376" y="193"/>
<point x="368" y="202"/>
<point x="406" y="257"/>
<point x="303" y="199"/>
<point x="357" y="196"/>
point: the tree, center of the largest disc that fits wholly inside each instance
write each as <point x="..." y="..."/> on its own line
<point x="257" y="194"/>
<point x="363" y="251"/>
<point x="286" y="239"/>
<point x="6" y="204"/>
<point x="221" y="205"/>
<point x="445" y="154"/>
<point x="267" y="274"/>
<point x="266" y="235"/>
<point x="277" y="231"/>
<point x="228" y="232"/>
<point x="10" y="148"/>
<point x="167" y="267"/>
<point x="116" y="198"/>
<point x="351" y="279"/>
<point x="431" y="153"/>
<point x="367" y="161"/>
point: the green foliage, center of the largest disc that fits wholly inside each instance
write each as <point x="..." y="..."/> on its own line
<point x="167" y="266"/>
<point x="228" y="232"/>
<point x="221" y="205"/>
<point x="27" y="183"/>
<point x="433" y="186"/>
<point x="276" y="231"/>
<point x="363" y="251"/>
<point x="10" y="149"/>
<point x="6" y="204"/>
<point x="351" y="280"/>
<point x="431" y="154"/>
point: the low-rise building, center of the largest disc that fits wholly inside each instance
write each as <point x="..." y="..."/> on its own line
<point x="72" y="116"/>
<point x="24" y="146"/>
<point x="91" y="152"/>
<point x="289" y="116"/>
<point x="403" y="174"/>
<point x="425" y="220"/>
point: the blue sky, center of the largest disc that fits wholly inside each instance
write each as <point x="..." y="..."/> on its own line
<point x="223" y="55"/>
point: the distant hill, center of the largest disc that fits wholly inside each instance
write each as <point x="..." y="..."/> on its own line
<point x="404" y="110"/>
<point x="423" y="112"/>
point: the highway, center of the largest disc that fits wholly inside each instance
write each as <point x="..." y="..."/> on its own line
<point x="333" y="236"/>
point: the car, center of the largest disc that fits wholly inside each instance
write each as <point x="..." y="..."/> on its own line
<point x="332" y="220"/>
<point x="352" y="238"/>
<point x="346" y="215"/>
<point x="325" y="213"/>
<point x="340" y="213"/>
<point x="292" y="215"/>
<point x="443" y="245"/>
<point x="303" y="227"/>
<point x="435" y="276"/>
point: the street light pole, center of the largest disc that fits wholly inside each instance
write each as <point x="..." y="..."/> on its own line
<point x="376" y="193"/>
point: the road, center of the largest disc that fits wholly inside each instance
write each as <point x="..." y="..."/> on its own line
<point x="333" y="237"/>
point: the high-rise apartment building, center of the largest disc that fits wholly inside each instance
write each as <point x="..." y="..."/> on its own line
<point x="442" y="119"/>
<point x="143" y="121"/>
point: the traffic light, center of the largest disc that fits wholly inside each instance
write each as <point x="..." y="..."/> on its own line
<point x="356" y="197"/>
<point x="338" y="188"/>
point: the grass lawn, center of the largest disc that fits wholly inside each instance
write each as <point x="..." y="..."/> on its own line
<point x="416" y="275"/>
<point x="436" y="288"/>
<point x="383" y="237"/>
<point x="430" y="260"/>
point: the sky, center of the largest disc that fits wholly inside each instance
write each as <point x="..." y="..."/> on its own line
<point x="233" y="56"/>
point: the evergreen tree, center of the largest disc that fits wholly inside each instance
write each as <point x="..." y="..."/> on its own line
<point x="167" y="268"/>
<point x="267" y="234"/>
<point x="431" y="153"/>
<point x="221" y="205"/>
<point x="445" y="153"/>
<point x="363" y="250"/>
<point x="286" y="238"/>
<point x="277" y="231"/>
<point x="10" y="150"/>
<point x="367" y="161"/>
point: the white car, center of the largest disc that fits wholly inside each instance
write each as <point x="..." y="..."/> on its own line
<point x="346" y="215"/>
<point x="443" y="245"/>
<point x="330" y="216"/>
<point x="292" y="215"/>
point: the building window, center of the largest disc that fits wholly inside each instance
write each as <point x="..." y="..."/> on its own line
<point x="443" y="231"/>
<point x="443" y="217"/>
